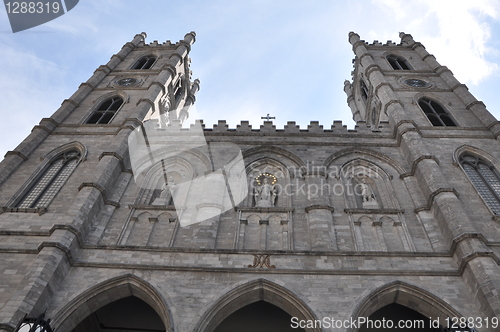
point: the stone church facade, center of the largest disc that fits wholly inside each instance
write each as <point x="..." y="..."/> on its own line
<point x="100" y="203"/>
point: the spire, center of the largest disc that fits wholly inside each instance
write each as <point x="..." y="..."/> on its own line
<point x="139" y="38"/>
<point x="190" y="37"/>
<point x="406" y="39"/>
<point x="353" y="37"/>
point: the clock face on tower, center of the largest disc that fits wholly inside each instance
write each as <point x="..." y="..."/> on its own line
<point x="127" y="81"/>
<point x="415" y="82"/>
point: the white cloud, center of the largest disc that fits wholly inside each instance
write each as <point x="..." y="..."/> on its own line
<point x="26" y="83"/>
<point x="253" y="58"/>
<point x="456" y="31"/>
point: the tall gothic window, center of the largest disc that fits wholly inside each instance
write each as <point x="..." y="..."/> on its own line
<point x="398" y="63"/>
<point x="485" y="179"/>
<point x="46" y="186"/>
<point x="364" y="90"/>
<point x="178" y="89"/>
<point x="106" y="111"/>
<point x="436" y="113"/>
<point x="146" y="62"/>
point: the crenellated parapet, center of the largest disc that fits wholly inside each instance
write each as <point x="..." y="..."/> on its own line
<point x="189" y="39"/>
<point x="268" y="127"/>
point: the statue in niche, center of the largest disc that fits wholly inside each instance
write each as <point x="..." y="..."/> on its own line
<point x="265" y="194"/>
<point x="167" y="189"/>
<point x="164" y="113"/>
<point x="367" y="195"/>
<point x="376" y="106"/>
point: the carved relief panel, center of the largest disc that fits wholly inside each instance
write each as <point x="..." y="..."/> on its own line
<point x="265" y="217"/>
<point x="377" y="222"/>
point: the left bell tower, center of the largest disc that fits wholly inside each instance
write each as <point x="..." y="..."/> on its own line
<point x="74" y="167"/>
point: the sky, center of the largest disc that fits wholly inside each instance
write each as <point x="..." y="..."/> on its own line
<point x="288" y="58"/>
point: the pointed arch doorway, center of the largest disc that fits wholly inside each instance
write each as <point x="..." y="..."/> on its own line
<point x="123" y="303"/>
<point x="129" y="314"/>
<point x="258" y="316"/>
<point x="259" y="305"/>
<point x="402" y="303"/>
<point x="411" y="320"/>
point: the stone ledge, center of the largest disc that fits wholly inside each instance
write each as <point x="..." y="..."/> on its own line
<point x="155" y="207"/>
<point x="318" y="207"/>
<point x="266" y="210"/>
<point x="39" y="210"/>
<point x="374" y="211"/>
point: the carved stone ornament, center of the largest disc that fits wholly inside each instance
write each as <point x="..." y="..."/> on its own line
<point x="127" y="81"/>
<point x="416" y="83"/>
<point x="262" y="261"/>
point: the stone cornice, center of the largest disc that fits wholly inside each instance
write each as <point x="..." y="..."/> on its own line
<point x="38" y="210"/>
<point x="364" y="55"/>
<point x="102" y="191"/>
<point x="494" y="123"/>
<point x="117" y="156"/>
<point x="265" y="210"/>
<point x="433" y="195"/>
<point x="319" y="207"/>
<point x="16" y="153"/>
<point x="103" y="68"/>
<point x="415" y="163"/>
<point x="390" y="102"/>
<point x="374" y="211"/>
<point x="371" y="68"/>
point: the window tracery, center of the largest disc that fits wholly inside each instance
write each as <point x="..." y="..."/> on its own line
<point x="47" y="185"/>
<point x="436" y="114"/>
<point x="106" y="111"/>
<point x="484" y="178"/>
<point x="398" y="62"/>
<point x="178" y="89"/>
<point x="146" y="62"/>
<point x="364" y="90"/>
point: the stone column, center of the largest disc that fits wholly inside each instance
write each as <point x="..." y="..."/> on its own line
<point x="319" y="212"/>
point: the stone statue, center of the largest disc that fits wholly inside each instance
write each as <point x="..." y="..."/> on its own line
<point x="164" y="113"/>
<point x="265" y="194"/>
<point x="167" y="189"/>
<point x="367" y="195"/>
<point x="376" y="106"/>
<point x="366" y="191"/>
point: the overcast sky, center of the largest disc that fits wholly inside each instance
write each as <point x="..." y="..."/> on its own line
<point x="286" y="58"/>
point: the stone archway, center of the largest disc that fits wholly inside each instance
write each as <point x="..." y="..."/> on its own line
<point x="253" y="292"/>
<point x="259" y="316"/>
<point x="419" y="302"/>
<point x="107" y="292"/>
<point x="129" y="314"/>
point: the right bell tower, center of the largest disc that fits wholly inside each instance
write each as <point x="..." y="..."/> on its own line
<point x="448" y="140"/>
<point x="403" y="82"/>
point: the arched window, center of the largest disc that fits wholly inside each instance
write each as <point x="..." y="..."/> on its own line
<point x="485" y="179"/>
<point x="436" y="113"/>
<point x="178" y="90"/>
<point x="106" y="110"/>
<point x="46" y="186"/>
<point x="146" y="62"/>
<point x="364" y="90"/>
<point x="398" y="63"/>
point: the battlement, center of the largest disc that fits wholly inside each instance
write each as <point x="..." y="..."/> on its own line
<point x="189" y="39"/>
<point x="155" y="43"/>
<point x="406" y="40"/>
<point x="290" y="128"/>
<point x="377" y="43"/>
